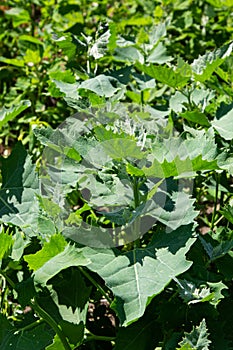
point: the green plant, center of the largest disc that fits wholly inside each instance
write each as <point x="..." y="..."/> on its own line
<point x="102" y="243"/>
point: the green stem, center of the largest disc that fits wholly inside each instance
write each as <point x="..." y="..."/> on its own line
<point x="30" y="326"/>
<point x="47" y="318"/>
<point x="136" y="226"/>
<point x="8" y="279"/>
<point x="96" y="284"/>
<point x="91" y="337"/>
<point x="43" y="314"/>
<point x="136" y="192"/>
<point x="215" y="202"/>
<point x="142" y="97"/>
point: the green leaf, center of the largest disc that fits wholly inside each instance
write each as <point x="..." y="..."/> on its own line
<point x="32" y="57"/>
<point x="36" y="338"/>
<point x="25" y="291"/>
<point x="11" y="113"/>
<point x="70" y="256"/>
<point x="102" y="134"/>
<point x="226" y="164"/>
<point x="44" y="135"/>
<point x="136" y="21"/>
<point x="159" y="55"/>
<point x="18" y="204"/>
<point x="5" y="326"/>
<point x="50" y="249"/>
<point x="227" y="212"/>
<point x="66" y="302"/>
<point x="204" y="66"/>
<point x="197" y="338"/>
<point x="6" y="242"/>
<point x="191" y="294"/>
<point x="56" y="345"/>
<point x="216" y="251"/>
<point x="17" y="62"/>
<point x="199" y="97"/>
<point x="168" y="169"/>
<point x="137" y="276"/>
<point x="69" y="44"/>
<point x="182" y="156"/>
<point x="120" y="148"/>
<point x="18" y="15"/>
<point x="196" y="117"/>
<point x="224" y="125"/>
<point x="72" y="306"/>
<point x="158" y="32"/>
<point x="217" y="288"/>
<point x="132" y="170"/>
<point x="183" y="212"/>
<point x="179" y="167"/>
<point x="66" y="76"/>
<point x="165" y="75"/>
<point x="18" y="247"/>
<point x="100" y="45"/>
<point x="46" y="226"/>
<point x="102" y="85"/>
<point x="69" y="91"/>
<point x="144" y="81"/>
<point x="128" y="54"/>
<point x="31" y="39"/>
<point x="186" y="347"/>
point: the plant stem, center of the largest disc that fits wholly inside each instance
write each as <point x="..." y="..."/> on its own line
<point x="142" y="97"/>
<point x="91" y="337"/>
<point x="47" y="318"/>
<point x="30" y="326"/>
<point x="11" y="283"/>
<point x="136" y="226"/>
<point x="215" y="202"/>
<point x="96" y="284"/>
<point x="136" y="192"/>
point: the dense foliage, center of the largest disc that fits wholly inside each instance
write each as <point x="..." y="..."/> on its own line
<point x="116" y="202"/>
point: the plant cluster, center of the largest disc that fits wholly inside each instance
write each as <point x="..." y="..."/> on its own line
<point x="116" y="175"/>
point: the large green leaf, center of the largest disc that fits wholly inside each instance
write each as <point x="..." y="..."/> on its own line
<point x="102" y="85"/>
<point x="196" y="117"/>
<point x="68" y="90"/>
<point x="176" y="156"/>
<point x="204" y="66"/>
<point x="50" y="249"/>
<point x="158" y="55"/>
<point x="70" y="256"/>
<point x="224" y="125"/>
<point x="166" y="75"/>
<point x="11" y="113"/>
<point x="121" y="148"/>
<point x="67" y="303"/>
<point x="226" y="164"/>
<point x="183" y="212"/>
<point x="128" y="54"/>
<point x="18" y="203"/>
<point x="137" y="276"/>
